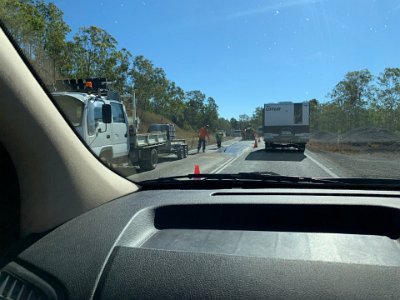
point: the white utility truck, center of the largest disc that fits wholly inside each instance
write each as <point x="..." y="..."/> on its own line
<point x="102" y="122"/>
<point x="286" y="124"/>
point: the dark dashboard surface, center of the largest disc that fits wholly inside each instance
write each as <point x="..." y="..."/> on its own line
<point x="280" y="244"/>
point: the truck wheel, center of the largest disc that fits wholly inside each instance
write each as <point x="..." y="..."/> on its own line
<point x="151" y="162"/>
<point x="185" y="151"/>
<point x="179" y="152"/>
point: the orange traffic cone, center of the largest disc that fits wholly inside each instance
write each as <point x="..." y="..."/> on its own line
<point x="196" y="171"/>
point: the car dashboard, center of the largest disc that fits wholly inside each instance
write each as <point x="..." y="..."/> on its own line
<point x="228" y="243"/>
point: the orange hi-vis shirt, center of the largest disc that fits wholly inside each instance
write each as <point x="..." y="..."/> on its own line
<point x="203" y="133"/>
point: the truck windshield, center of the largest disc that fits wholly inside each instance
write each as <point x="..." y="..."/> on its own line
<point x="72" y="108"/>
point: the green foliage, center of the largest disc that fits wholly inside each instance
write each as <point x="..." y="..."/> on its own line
<point x="94" y="53"/>
<point x="351" y="95"/>
<point x="257" y="118"/>
<point x="53" y="40"/>
<point x="244" y="121"/>
<point x="360" y="100"/>
<point x="211" y="114"/>
<point x="224" y="124"/>
<point x="147" y="83"/>
<point x="40" y="31"/>
<point x="195" y="108"/>
<point x="387" y="105"/>
<point x="120" y="70"/>
<point x="234" y="123"/>
<point x="175" y="108"/>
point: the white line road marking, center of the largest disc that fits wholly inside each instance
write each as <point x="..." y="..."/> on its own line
<point x="321" y="165"/>
<point x="224" y="165"/>
<point x="233" y="159"/>
<point x="229" y="162"/>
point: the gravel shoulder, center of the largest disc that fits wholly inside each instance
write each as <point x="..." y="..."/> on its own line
<point x="361" y="152"/>
<point x="369" y="164"/>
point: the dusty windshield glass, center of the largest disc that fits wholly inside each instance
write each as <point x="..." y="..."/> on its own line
<point x="305" y="88"/>
<point x="72" y="108"/>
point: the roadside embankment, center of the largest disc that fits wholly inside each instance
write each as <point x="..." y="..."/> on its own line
<point x="360" y="140"/>
<point x="362" y="152"/>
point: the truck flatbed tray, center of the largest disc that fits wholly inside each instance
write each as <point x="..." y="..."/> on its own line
<point x="143" y="140"/>
<point x="178" y="141"/>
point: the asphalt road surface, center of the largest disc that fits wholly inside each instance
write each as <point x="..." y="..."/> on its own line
<point x="237" y="156"/>
<point x="287" y="162"/>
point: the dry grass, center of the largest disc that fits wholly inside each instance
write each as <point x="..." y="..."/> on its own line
<point x="348" y="148"/>
<point x="148" y="118"/>
<point x="333" y="147"/>
<point x="358" y="140"/>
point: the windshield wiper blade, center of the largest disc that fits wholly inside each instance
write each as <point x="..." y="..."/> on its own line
<point x="253" y="176"/>
<point x="266" y="177"/>
<point x="239" y="177"/>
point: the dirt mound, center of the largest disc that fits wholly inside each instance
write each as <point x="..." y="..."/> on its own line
<point x="370" y="135"/>
<point x="365" y="139"/>
<point x="323" y="137"/>
<point x="395" y="147"/>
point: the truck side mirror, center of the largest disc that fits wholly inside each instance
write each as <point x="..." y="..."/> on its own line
<point x="106" y="113"/>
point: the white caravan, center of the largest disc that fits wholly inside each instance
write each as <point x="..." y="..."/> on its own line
<point x="286" y="124"/>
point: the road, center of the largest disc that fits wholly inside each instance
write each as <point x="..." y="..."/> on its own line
<point x="237" y="156"/>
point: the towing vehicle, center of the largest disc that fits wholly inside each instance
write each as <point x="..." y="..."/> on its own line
<point x="100" y="118"/>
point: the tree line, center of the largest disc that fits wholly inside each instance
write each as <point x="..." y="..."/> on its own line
<point x="360" y="99"/>
<point x="41" y="32"/>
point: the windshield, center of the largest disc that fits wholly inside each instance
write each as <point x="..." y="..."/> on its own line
<point x="72" y="108"/>
<point x="307" y="88"/>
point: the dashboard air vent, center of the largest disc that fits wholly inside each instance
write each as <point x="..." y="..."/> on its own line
<point x="13" y="288"/>
<point x="16" y="282"/>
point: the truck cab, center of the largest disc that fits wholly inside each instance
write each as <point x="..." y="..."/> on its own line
<point x="101" y="122"/>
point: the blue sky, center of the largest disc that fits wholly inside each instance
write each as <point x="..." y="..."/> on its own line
<point x="247" y="53"/>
